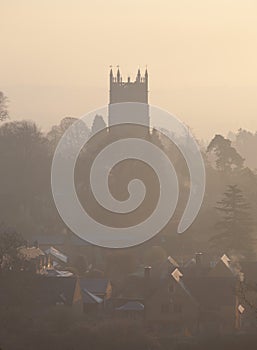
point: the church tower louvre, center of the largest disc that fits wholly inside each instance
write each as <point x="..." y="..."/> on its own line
<point x="128" y="91"/>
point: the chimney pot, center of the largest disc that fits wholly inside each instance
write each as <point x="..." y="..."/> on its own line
<point x="198" y="258"/>
<point x="148" y="271"/>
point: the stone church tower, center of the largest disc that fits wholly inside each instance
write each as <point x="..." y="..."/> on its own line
<point x="128" y="91"/>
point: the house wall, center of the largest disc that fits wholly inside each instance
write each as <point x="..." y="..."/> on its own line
<point x="108" y="293"/>
<point x="170" y="308"/>
<point x="77" y="302"/>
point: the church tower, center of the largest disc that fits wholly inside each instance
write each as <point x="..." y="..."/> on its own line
<point x="128" y="91"/>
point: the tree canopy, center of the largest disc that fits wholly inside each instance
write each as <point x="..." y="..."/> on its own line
<point x="3" y="107"/>
<point x="10" y="240"/>
<point x="235" y="225"/>
<point x="227" y="158"/>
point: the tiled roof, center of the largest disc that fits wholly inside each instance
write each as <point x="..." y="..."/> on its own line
<point x="56" y="273"/>
<point x="96" y="286"/>
<point x="90" y="298"/>
<point x="131" y="306"/>
<point x="39" y="290"/>
<point x="215" y="291"/>
<point x="57" y="254"/>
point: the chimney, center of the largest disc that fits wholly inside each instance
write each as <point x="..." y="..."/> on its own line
<point x="198" y="259"/>
<point x="147" y="272"/>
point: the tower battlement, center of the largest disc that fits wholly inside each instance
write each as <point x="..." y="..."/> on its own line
<point x="128" y="91"/>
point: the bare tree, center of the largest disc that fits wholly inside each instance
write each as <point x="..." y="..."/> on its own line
<point x="3" y="107"/>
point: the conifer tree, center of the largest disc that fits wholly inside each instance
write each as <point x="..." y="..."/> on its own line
<point x="236" y="225"/>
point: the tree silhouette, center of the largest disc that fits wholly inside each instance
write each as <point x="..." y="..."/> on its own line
<point x="236" y="224"/>
<point x="227" y="158"/>
<point x="10" y="240"/>
<point x="98" y="124"/>
<point x="3" y="107"/>
<point x="24" y="172"/>
<point x="245" y="143"/>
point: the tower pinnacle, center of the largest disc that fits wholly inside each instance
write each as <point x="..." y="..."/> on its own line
<point x="118" y="74"/>
<point x="138" y="75"/>
<point x="128" y="91"/>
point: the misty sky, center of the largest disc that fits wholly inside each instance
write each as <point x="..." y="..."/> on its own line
<point x="201" y="56"/>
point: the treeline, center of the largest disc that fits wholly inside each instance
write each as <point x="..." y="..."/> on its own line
<point x="246" y="144"/>
<point x="26" y="201"/>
